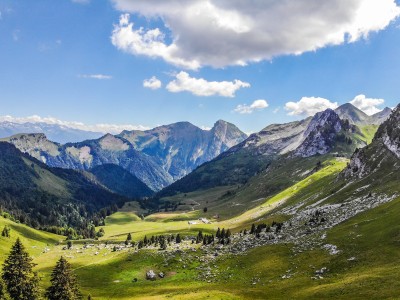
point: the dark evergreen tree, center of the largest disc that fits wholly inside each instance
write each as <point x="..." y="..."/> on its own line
<point x="218" y="234"/>
<point x="20" y="281"/>
<point x="89" y="297"/>
<point x="6" y="231"/>
<point x="178" y="238"/>
<point x="63" y="283"/>
<point x="129" y="237"/>
<point x="222" y="235"/>
<point x="228" y="233"/>
<point x="1" y="290"/>
<point x="253" y="229"/>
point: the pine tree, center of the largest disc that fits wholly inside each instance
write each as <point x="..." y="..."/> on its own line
<point x="1" y="290"/>
<point x="6" y="231"/>
<point x="253" y="229"/>
<point x="129" y="237"/>
<point x="63" y="283"/>
<point x="89" y="297"/>
<point x="218" y="234"/>
<point x="228" y="233"/>
<point x="178" y="238"/>
<point x="20" y="281"/>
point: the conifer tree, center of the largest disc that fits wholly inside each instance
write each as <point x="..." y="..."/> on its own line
<point x="253" y="229"/>
<point x="63" y="283"/>
<point x="218" y="234"/>
<point x="129" y="237"/>
<point x="178" y="238"/>
<point x="6" y="231"/>
<point x="1" y="290"/>
<point x="20" y="281"/>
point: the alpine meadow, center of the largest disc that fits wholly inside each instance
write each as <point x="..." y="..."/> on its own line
<point x="200" y="149"/>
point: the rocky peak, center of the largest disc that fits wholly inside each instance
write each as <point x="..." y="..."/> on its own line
<point x="381" y="116"/>
<point x="320" y="135"/>
<point x="389" y="132"/>
<point x="351" y="113"/>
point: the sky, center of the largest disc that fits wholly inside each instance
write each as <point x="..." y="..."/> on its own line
<point x="135" y="64"/>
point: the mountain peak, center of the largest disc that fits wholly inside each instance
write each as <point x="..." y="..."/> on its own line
<point x="320" y="134"/>
<point x="351" y="113"/>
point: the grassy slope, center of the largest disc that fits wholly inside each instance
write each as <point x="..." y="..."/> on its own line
<point x="372" y="237"/>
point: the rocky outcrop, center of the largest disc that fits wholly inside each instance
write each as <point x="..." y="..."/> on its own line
<point x="389" y="132"/>
<point x="384" y="149"/>
<point x="321" y="134"/>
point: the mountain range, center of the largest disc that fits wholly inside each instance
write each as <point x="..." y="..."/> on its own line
<point x="329" y="132"/>
<point x="157" y="157"/>
<point x="55" y="132"/>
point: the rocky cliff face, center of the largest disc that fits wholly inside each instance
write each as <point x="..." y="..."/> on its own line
<point x="383" y="152"/>
<point x="321" y="134"/>
<point x="157" y="157"/>
<point x="274" y="139"/>
<point x="389" y="132"/>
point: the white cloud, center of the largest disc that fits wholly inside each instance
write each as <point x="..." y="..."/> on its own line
<point x="149" y="43"/>
<point x="203" y="127"/>
<point x="276" y="110"/>
<point x="367" y="105"/>
<point x="309" y="106"/>
<point x="104" y="128"/>
<point x="235" y="32"/>
<point x="201" y="87"/>
<point x="153" y="83"/>
<point x="95" y="76"/>
<point x="248" y="109"/>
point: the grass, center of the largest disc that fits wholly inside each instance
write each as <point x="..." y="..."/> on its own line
<point x="372" y="237"/>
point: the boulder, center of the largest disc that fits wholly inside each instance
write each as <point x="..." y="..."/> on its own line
<point x="161" y="275"/>
<point x="150" y="275"/>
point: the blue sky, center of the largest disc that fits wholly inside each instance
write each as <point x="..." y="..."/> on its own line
<point x="80" y="61"/>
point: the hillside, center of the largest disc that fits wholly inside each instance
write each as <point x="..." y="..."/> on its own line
<point x="121" y="181"/>
<point x="40" y="196"/>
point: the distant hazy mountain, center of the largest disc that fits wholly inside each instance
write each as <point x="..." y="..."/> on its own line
<point x="181" y="147"/>
<point x="56" y="133"/>
<point x="357" y="117"/>
<point x="157" y="157"/>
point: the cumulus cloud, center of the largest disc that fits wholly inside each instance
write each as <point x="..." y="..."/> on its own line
<point x="248" y="109"/>
<point x="104" y="128"/>
<point x="95" y="76"/>
<point x="149" y="43"/>
<point x="309" y="106"/>
<point x="235" y="32"/>
<point x="153" y="83"/>
<point x="201" y="87"/>
<point x="367" y="105"/>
